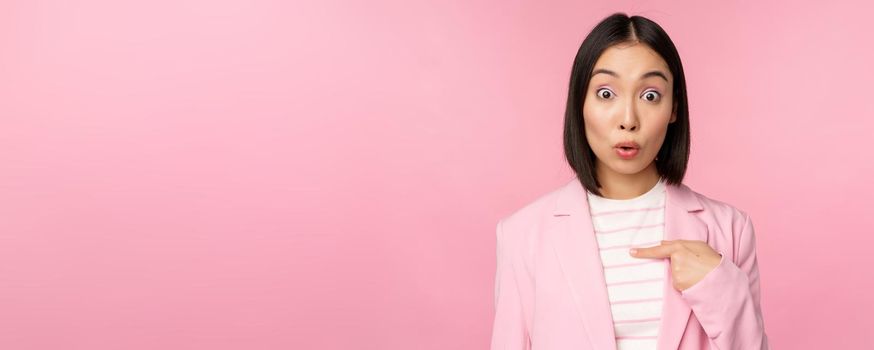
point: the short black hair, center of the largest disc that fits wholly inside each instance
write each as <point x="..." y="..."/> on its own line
<point x="619" y="28"/>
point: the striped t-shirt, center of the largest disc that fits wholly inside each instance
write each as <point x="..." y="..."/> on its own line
<point x="634" y="285"/>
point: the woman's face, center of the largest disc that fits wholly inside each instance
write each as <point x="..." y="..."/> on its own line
<point x="629" y="98"/>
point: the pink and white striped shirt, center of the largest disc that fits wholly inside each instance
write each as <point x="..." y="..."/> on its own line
<point x="634" y="285"/>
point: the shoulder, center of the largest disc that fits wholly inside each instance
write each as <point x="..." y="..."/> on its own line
<point x="721" y="213"/>
<point x="715" y="205"/>
<point x="519" y="231"/>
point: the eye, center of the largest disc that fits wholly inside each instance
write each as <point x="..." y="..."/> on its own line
<point x="604" y="93"/>
<point x="651" y="96"/>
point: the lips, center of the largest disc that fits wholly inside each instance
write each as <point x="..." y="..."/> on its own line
<point x="626" y="149"/>
<point x="627" y="145"/>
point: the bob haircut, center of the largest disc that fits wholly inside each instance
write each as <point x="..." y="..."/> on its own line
<point x="618" y="28"/>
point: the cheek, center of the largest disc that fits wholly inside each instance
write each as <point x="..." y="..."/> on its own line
<point x="596" y="122"/>
<point x="656" y="136"/>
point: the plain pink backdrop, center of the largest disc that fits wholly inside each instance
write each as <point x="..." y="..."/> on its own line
<point x="328" y="174"/>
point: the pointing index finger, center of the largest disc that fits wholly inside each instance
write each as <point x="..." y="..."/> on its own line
<point x="659" y="251"/>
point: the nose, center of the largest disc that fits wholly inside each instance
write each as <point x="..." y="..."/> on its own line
<point x="629" y="119"/>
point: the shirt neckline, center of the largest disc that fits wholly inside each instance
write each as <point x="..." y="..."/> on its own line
<point x="656" y="189"/>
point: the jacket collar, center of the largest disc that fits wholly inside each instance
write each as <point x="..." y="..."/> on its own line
<point x="578" y="254"/>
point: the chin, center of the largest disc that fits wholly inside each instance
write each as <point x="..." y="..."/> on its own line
<point x="629" y="167"/>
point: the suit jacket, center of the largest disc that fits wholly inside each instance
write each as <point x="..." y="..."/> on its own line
<point x="550" y="291"/>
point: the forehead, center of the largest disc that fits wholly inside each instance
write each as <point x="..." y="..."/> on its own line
<point x="630" y="61"/>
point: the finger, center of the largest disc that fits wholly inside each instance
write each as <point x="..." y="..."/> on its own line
<point x="659" y="251"/>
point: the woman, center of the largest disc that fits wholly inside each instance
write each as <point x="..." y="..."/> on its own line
<point x="568" y="273"/>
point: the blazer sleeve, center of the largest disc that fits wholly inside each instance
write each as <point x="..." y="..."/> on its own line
<point x="727" y="301"/>
<point x="509" y="330"/>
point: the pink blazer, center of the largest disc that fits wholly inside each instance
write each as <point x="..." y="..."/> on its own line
<point x="550" y="291"/>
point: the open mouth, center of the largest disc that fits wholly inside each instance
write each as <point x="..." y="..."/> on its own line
<point x="626" y="152"/>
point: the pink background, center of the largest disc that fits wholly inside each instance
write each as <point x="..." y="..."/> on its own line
<point x="328" y="175"/>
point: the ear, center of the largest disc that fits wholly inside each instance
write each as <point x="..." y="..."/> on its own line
<point x="674" y="113"/>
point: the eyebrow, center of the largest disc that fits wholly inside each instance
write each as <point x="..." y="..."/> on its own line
<point x="655" y="73"/>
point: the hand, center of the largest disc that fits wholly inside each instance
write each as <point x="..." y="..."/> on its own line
<point x="690" y="260"/>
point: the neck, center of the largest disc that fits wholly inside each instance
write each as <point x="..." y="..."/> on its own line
<point x="626" y="186"/>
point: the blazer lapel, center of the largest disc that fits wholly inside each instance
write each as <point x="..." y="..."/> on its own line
<point x="680" y="223"/>
<point x="578" y="254"/>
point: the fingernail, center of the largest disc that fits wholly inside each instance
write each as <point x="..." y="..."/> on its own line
<point x="633" y="251"/>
